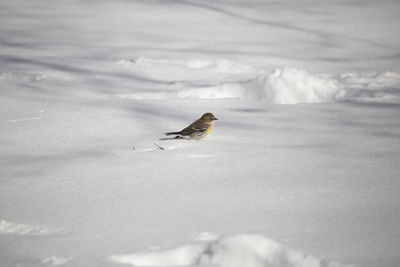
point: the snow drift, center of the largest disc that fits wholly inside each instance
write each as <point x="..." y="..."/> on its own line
<point x="282" y="86"/>
<point x="232" y="80"/>
<point x="248" y="250"/>
<point x="290" y="86"/>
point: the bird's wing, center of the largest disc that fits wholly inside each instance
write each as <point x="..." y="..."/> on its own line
<point x="196" y="126"/>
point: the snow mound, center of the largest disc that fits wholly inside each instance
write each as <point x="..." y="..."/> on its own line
<point x="291" y="86"/>
<point x="11" y="228"/>
<point x="281" y="86"/>
<point x="230" y="251"/>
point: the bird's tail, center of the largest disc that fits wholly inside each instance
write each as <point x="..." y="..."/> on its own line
<point x="173" y="133"/>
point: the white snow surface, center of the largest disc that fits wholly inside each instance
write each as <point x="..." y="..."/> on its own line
<point x="302" y="166"/>
<point x="55" y="261"/>
<point x="11" y="228"/>
<point x="230" y="251"/>
<point x="281" y="86"/>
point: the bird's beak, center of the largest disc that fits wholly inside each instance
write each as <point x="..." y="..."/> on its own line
<point x="215" y="119"/>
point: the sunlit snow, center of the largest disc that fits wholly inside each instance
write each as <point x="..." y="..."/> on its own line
<point x="302" y="166"/>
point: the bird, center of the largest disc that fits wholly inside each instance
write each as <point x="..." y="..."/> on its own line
<point x="198" y="129"/>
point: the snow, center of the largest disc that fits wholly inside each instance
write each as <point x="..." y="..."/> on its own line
<point x="55" y="261"/>
<point x="11" y="228"/>
<point x="232" y="251"/>
<point x="281" y="86"/>
<point x="301" y="168"/>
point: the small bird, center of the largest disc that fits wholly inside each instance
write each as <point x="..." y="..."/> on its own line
<point x="197" y="129"/>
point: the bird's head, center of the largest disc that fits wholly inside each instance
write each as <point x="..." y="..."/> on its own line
<point x="208" y="117"/>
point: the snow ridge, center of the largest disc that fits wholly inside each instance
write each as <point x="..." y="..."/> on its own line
<point x="250" y="250"/>
<point x="230" y="80"/>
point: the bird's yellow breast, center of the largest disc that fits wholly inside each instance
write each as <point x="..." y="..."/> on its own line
<point x="209" y="129"/>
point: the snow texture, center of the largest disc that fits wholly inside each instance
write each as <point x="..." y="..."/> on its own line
<point x="10" y="228"/>
<point x="55" y="261"/>
<point x="282" y="86"/>
<point x="305" y="153"/>
<point x="229" y="251"/>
